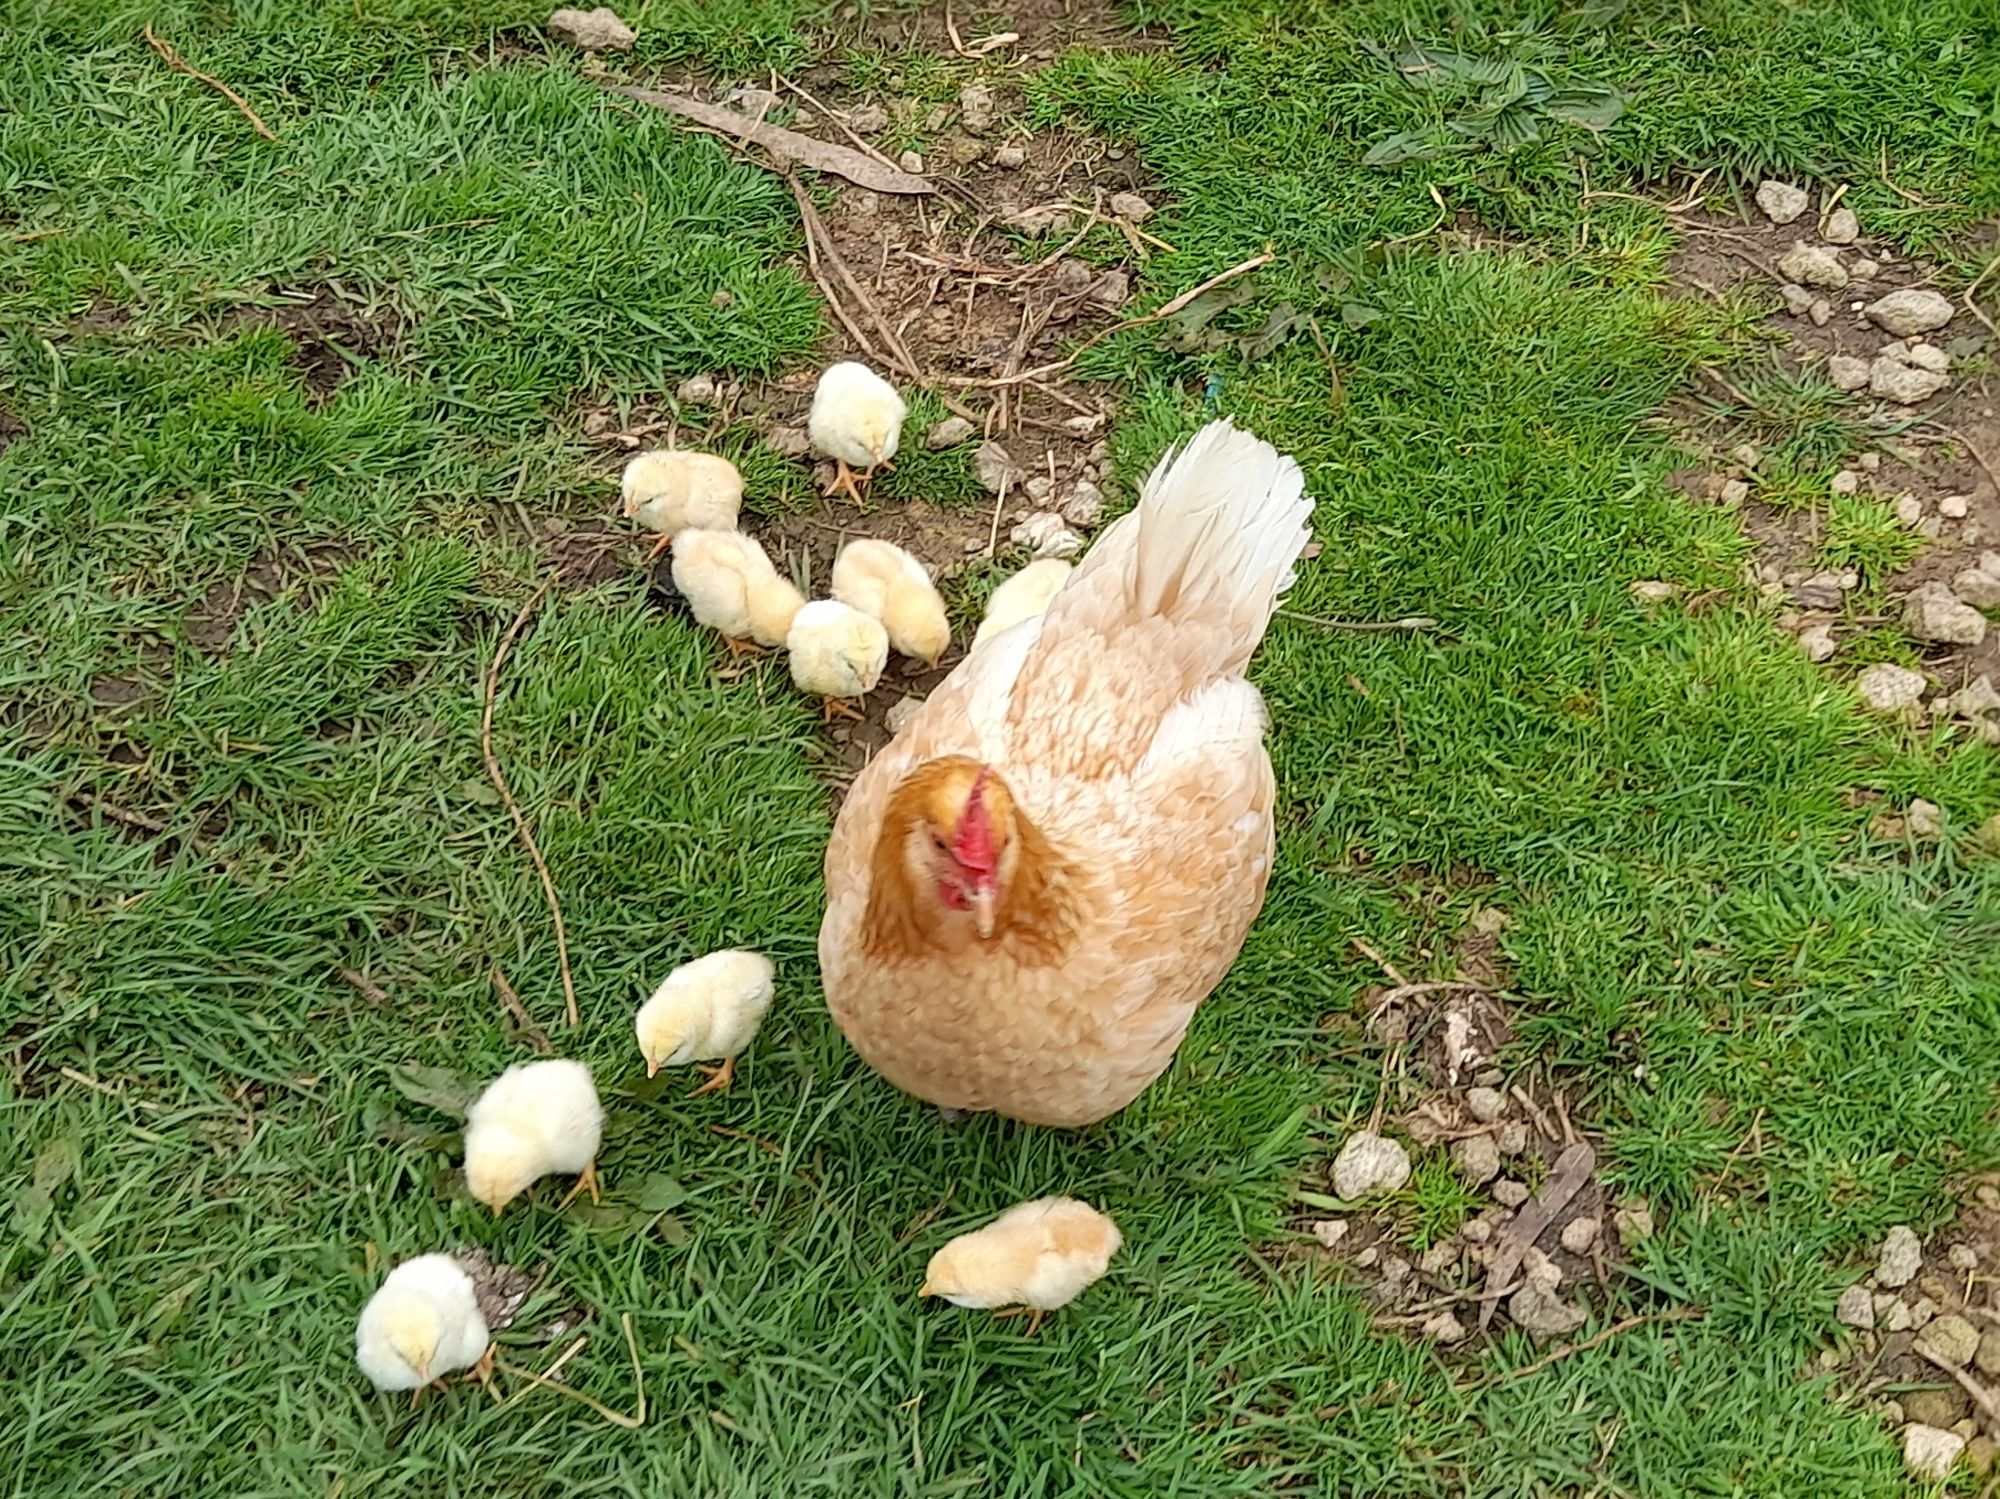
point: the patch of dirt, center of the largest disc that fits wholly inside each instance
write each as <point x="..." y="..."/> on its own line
<point x="1547" y="1238"/>
<point x="11" y="427"/>
<point x="1046" y="28"/>
<point x="1933" y="464"/>
<point x="1958" y="1277"/>
<point x="210" y="622"/>
<point x="327" y="332"/>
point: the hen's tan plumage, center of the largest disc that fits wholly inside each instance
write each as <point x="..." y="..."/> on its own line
<point x="1121" y="728"/>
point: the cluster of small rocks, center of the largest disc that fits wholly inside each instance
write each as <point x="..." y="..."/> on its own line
<point x="1905" y="370"/>
<point x="1899" y="1311"/>
<point x="1055" y="513"/>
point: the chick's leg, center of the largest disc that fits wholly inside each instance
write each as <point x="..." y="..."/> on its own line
<point x="739" y="648"/>
<point x="658" y="547"/>
<point x="1034" y="1314"/>
<point x="833" y="707"/>
<point x="586" y="1182"/>
<point x="719" y="1078"/>
<point x="843" y="481"/>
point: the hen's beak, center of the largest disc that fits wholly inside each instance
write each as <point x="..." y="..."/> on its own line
<point x="983" y="902"/>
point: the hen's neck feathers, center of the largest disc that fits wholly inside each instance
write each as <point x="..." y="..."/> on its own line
<point x="1035" y="919"/>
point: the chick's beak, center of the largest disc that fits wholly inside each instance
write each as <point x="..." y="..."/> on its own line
<point x="982" y="899"/>
<point x="925" y="1289"/>
<point x="652" y="1067"/>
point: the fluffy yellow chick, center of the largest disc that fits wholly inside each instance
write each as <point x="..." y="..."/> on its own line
<point x="1032" y="1259"/>
<point x="837" y="653"/>
<point x="707" y="1010"/>
<point x="536" y="1119"/>
<point x="731" y="586"/>
<point x="882" y="580"/>
<point x="670" y="492"/>
<point x="422" y="1323"/>
<point x="857" y="421"/>
<point x="1023" y="596"/>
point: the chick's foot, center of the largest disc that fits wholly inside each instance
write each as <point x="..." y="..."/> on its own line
<point x="843" y="481"/>
<point x="585" y="1182"/>
<point x="719" y="1078"/>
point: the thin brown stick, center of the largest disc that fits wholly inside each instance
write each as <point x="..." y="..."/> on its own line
<point x="1369" y="951"/>
<point x="1408" y="622"/>
<point x="1977" y="282"/>
<point x="137" y="820"/>
<point x="1596" y="1340"/>
<point x="1042" y="372"/>
<point x="180" y="64"/>
<point x="529" y="1030"/>
<point x="1981" y="1396"/>
<point x="632" y="1422"/>
<point x="816" y="227"/>
<point x="499" y="779"/>
<point x="370" y="990"/>
<point x="999" y="504"/>
<point x="838" y="123"/>
<point x="1436" y="986"/>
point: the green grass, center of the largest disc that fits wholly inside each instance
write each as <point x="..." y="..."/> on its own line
<point x="1703" y="933"/>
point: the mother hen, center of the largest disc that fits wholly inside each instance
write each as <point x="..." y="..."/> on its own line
<point x="1031" y="889"/>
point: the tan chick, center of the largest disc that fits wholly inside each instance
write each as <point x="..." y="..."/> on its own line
<point x="421" y="1324"/>
<point x="1032" y="1259"/>
<point x="706" y="1011"/>
<point x="536" y="1119"/>
<point x="884" y="581"/>
<point x="670" y="492"/>
<point x="837" y="654"/>
<point x="857" y="421"/>
<point x="731" y="586"/>
<point x="1023" y="596"/>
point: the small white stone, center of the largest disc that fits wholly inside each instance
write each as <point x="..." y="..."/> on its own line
<point x="1782" y="202"/>
<point x="1813" y="265"/>
<point x="911" y="162"/>
<point x="1044" y="534"/>
<point x="1634" y="1221"/>
<point x="1963" y="1257"/>
<point x="1476" y="1231"/>
<point x="1578" y="1235"/>
<point x="1084" y="507"/>
<point x="1846" y="372"/>
<point x="1856" y="1307"/>
<point x="1933" y="612"/>
<point x="1744" y="455"/>
<point x="1842" y="228"/>
<point x="1131" y="207"/>
<point x="1895" y="379"/>
<point x="1651" y="591"/>
<point x="1888" y="688"/>
<point x="597" y="30"/>
<point x="1477" y="1159"/>
<point x="1509" y="1193"/>
<point x="1444" y="1328"/>
<point x="1485" y="1104"/>
<point x="1914" y="309"/>
<point x="1927" y="357"/>
<point x="1821" y="313"/>
<point x="696" y="390"/>
<point x="1734" y="492"/>
<point x="1902" y="1253"/>
<point x="1009" y="158"/>
<point x="1977" y="587"/>
<point x="948" y="433"/>
<point x="1896" y="1319"/>
<point x="1908" y="509"/>
<point x="1797" y="298"/>
<point x="1924" y="819"/>
<point x="1818" y="643"/>
<point x="1930" y="1454"/>
<point x="1368" y="1165"/>
<point x="1954" y="506"/>
<point x="1951" y="1340"/>
<point x="1330" y="1231"/>
<point x="1861" y="268"/>
<point x="1367" y="1258"/>
<point x="1871" y="461"/>
<point x="1847" y="481"/>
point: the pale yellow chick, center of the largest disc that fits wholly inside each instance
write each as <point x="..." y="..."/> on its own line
<point x="837" y="654"/>
<point x="857" y="421"/>
<point x="731" y="586"/>
<point x="1028" y="593"/>
<point x="670" y="492"/>
<point x="707" y="1011"/>
<point x="421" y="1324"/>
<point x="1032" y="1259"/>
<point x="881" y="579"/>
<point x="536" y="1119"/>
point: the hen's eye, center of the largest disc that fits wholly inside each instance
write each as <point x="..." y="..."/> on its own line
<point x="937" y="840"/>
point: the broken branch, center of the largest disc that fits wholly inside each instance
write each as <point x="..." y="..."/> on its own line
<point x="180" y="64"/>
<point x="821" y="156"/>
<point x="499" y="779"/>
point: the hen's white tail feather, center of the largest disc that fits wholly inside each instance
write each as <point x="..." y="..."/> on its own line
<point x="1217" y="529"/>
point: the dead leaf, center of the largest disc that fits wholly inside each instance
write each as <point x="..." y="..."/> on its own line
<point x="821" y="156"/>
<point x="434" y="1087"/>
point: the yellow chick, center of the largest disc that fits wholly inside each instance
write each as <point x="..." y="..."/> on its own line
<point x="1023" y="596"/>
<point x="837" y="653"/>
<point x="422" y="1323"/>
<point x="670" y="492"/>
<point x="1032" y="1259"/>
<point x="731" y="586"/>
<point x="882" y="580"/>
<point x="536" y="1119"/>
<point x="857" y="421"/>
<point x="707" y="1010"/>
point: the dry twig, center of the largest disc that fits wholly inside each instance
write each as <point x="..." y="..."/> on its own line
<point x="180" y="64"/>
<point x="788" y="145"/>
<point x="1598" y="1339"/>
<point x="370" y="990"/>
<point x="1981" y="1396"/>
<point x="632" y="1422"/>
<point x="499" y="779"/>
<point x="1161" y="314"/>
<point x="1408" y="622"/>
<point x="531" y="1032"/>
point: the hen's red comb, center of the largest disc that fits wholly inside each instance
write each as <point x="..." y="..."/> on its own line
<point x="973" y="845"/>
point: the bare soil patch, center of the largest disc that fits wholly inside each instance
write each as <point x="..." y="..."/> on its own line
<point x="1930" y="464"/>
<point x="328" y="334"/>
